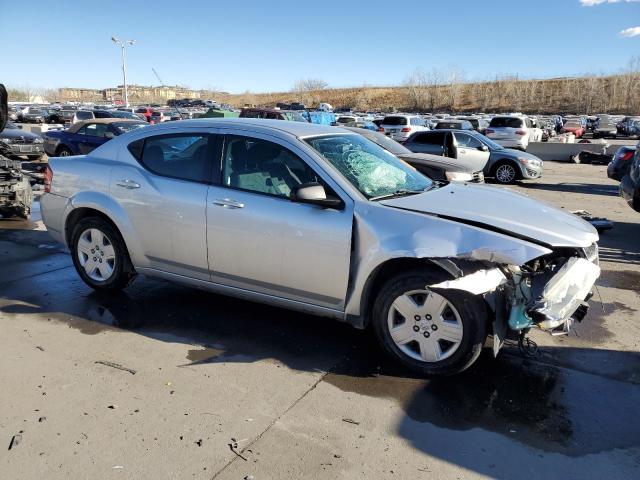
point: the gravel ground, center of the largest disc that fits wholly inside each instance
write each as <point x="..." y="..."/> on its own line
<point x="304" y="397"/>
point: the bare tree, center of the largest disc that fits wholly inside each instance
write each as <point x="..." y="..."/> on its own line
<point x="309" y="85"/>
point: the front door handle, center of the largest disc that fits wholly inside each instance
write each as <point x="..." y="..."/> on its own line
<point x="127" y="183"/>
<point x="227" y="202"/>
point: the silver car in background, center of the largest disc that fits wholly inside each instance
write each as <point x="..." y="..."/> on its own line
<point x="321" y="220"/>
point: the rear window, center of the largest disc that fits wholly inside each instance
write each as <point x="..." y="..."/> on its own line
<point x="443" y="125"/>
<point x="80" y="115"/>
<point x="502" y="122"/>
<point x="394" y="121"/>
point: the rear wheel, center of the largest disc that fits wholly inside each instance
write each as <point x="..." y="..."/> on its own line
<point x="64" y="152"/>
<point x="505" y="172"/>
<point x="100" y="255"/>
<point x="433" y="333"/>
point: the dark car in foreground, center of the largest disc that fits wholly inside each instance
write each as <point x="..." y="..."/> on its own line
<point x="21" y="142"/>
<point x="83" y="137"/>
<point x="505" y="165"/>
<point x="630" y="184"/>
<point x="441" y="169"/>
<point x="621" y="163"/>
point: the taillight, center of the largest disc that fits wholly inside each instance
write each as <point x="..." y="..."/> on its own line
<point x="520" y="132"/>
<point x="627" y="156"/>
<point x="380" y="129"/>
<point x="488" y="131"/>
<point x="406" y="129"/>
<point x="48" y="178"/>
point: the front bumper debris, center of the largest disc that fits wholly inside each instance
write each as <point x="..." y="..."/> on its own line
<point x="564" y="294"/>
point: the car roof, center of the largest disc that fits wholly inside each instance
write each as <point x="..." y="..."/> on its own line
<point x="77" y="126"/>
<point x="297" y="129"/>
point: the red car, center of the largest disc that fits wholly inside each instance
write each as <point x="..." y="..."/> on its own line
<point x="146" y="111"/>
<point x="573" y="127"/>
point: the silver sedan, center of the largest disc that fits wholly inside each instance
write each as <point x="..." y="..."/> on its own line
<point x="322" y="220"/>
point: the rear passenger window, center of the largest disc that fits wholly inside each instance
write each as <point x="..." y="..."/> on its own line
<point x="183" y="156"/>
<point x="431" y="138"/>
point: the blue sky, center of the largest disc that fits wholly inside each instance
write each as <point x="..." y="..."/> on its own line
<point x="267" y="45"/>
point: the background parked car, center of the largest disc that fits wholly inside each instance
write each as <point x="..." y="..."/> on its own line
<point x="513" y="131"/>
<point x="83" y="137"/>
<point x="505" y="165"/>
<point x="22" y="142"/>
<point x="400" y="127"/>
<point x="605" y="127"/>
<point x="575" y="127"/>
<point x="273" y="114"/>
<point x="82" y="115"/>
<point x="437" y="168"/>
<point x="454" y="144"/>
<point x="621" y="163"/>
<point x="33" y="115"/>
<point x="146" y="112"/>
<point x="630" y="184"/>
<point x="453" y="125"/>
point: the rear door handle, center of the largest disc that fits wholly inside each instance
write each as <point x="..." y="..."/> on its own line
<point x="127" y="183"/>
<point x="227" y="202"/>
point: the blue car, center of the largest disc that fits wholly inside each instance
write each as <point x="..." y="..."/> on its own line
<point x="83" y="137"/>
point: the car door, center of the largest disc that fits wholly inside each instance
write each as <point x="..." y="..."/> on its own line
<point x="260" y="240"/>
<point x="93" y="137"/>
<point x="162" y="186"/>
<point x="470" y="150"/>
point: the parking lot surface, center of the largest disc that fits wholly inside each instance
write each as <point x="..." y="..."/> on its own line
<point x="221" y="388"/>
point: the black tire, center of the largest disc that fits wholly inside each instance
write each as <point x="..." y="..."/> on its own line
<point x="472" y="312"/>
<point x="63" y="152"/>
<point x="123" y="271"/>
<point x="506" y="166"/>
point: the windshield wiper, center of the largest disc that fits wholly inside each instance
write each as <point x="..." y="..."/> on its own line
<point x="398" y="193"/>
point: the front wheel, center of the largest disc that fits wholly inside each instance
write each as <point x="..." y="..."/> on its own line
<point x="505" y="173"/>
<point x="433" y="333"/>
<point x="100" y="255"/>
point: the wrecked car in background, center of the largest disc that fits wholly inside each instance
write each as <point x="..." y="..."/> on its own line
<point x="16" y="195"/>
<point x="321" y="220"/>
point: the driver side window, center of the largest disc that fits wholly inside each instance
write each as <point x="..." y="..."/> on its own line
<point x="264" y="167"/>
<point x="467" y="141"/>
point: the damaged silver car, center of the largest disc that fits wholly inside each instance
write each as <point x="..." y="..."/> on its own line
<point x="321" y="220"/>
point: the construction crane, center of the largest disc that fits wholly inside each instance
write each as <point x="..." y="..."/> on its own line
<point x="158" y="77"/>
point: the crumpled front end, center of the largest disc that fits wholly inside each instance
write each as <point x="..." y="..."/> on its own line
<point x="549" y="292"/>
<point x="16" y="195"/>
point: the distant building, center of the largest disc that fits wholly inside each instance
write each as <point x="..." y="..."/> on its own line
<point x="137" y="94"/>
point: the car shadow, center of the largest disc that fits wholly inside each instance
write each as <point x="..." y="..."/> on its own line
<point x="583" y="188"/>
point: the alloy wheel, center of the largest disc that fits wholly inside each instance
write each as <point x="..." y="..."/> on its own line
<point x="505" y="174"/>
<point x="425" y="326"/>
<point x="96" y="254"/>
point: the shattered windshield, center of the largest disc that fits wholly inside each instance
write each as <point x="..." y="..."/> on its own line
<point x="370" y="168"/>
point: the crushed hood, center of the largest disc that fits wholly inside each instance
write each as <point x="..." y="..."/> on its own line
<point x="499" y="209"/>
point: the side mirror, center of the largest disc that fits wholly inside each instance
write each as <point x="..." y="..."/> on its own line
<point x="109" y="135"/>
<point x="483" y="148"/>
<point x="315" y="194"/>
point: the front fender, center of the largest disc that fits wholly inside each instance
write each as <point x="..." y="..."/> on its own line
<point x="385" y="234"/>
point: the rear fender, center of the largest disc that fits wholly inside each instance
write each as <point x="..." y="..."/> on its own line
<point x="113" y="210"/>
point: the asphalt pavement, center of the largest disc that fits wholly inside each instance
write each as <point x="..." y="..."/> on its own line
<point x="165" y="381"/>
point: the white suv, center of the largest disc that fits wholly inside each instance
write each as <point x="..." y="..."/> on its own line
<point x="513" y="131"/>
<point x="401" y="127"/>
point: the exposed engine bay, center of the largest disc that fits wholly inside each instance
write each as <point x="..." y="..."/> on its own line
<point x="549" y="292"/>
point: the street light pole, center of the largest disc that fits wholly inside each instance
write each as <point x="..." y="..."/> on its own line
<point x="122" y="44"/>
